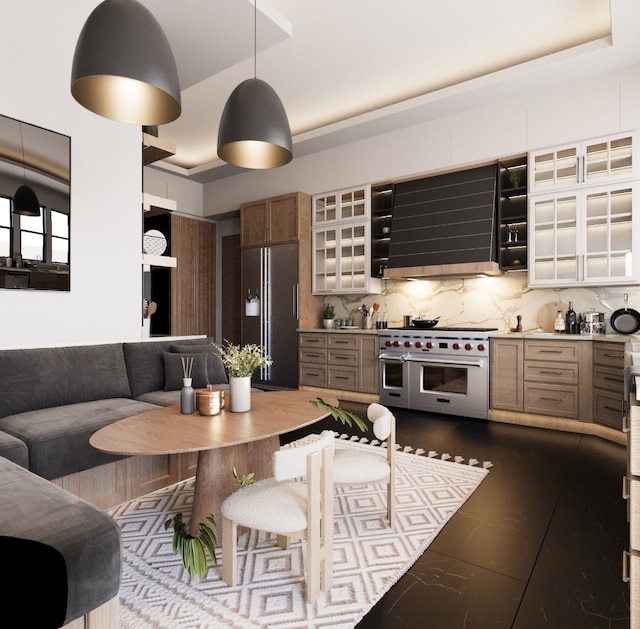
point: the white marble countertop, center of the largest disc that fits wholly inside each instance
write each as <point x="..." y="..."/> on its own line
<point x="552" y="336"/>
<point x="340" y="331"/>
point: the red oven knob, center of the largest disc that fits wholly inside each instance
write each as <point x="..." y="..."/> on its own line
<point x="456" y="346"/>
<point x="388" y="343"/>
<point x="418" y="344"/>
<point x="481" y="347"/>
<point x="396" y="344"/>
<point x="428" y="345"/>
<point x="468" y="347"/>
<point x="407" y="343"/>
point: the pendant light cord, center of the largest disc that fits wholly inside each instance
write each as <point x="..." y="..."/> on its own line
<point x="255" y="38"/>
<point x="24" y="165"/>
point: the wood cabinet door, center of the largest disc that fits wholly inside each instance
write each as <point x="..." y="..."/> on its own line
<point x="253" y="224"/>
<point x="507" y="390"/>
<point x="283" y="219"/>
<point x="369" y="367"/>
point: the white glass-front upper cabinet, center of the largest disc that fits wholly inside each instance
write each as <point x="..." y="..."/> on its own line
<point x="341" y="240"/>
<point x="582" y="218"/>
<point x="593" y="162"/>
<point x="583" y="237"/>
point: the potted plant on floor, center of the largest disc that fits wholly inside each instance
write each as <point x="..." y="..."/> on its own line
<point x="240" y="363"/>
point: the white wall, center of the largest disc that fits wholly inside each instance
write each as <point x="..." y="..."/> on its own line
<point x="106" y="181"/>
<point x="187" y="194"/>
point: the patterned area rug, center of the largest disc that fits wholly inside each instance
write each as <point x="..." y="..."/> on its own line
<point x="369" y="557"/>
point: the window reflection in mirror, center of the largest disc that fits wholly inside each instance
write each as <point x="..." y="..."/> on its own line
<point x="35" y="250"/>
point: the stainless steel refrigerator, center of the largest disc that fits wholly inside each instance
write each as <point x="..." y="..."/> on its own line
<point x="270" y="274"/>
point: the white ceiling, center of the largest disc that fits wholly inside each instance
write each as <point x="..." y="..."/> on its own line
<point x="344" y="68"/>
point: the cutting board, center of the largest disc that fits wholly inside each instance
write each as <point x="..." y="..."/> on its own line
<point x="548" y="313"/>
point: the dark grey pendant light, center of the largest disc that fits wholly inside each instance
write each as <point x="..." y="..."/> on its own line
<point x="254" y="130"/>
<point x="25" y="200"/>
<point x="123" y="66"/>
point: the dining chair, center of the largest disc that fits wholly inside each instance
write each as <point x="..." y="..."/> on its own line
<point x="290" y="509"/>
<point x="355" y="467"/>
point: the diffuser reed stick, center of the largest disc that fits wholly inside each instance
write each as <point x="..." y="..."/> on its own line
<point x="187" y="366"/>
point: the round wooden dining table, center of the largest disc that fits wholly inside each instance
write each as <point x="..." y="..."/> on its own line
<point x="245" y="441"/>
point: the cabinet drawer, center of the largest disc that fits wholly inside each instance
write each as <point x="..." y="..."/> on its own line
<point x="313" y="340"/>
<point x="546" y="399"/>
<point x="342" y="341"/>
<point x="608" y="378"/>
<point x="313" y="356"/>
<point x="313" y="375"/>
<point x="551" y="350"/>
<point x="558" y="373"/>
<point x="608" y="354"/>
<point x="607" y="409"/>
<point x="345" y="379"/>
<point x="343" y="357"/>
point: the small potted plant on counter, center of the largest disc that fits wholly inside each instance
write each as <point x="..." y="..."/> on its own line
<point x="328" y="315"/>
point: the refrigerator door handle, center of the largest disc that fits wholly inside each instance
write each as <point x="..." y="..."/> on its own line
<point x="296" y="301"/>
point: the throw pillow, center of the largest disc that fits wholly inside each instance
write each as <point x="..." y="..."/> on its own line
<point x="173" y="372"/>
<point x="215" y="368"/>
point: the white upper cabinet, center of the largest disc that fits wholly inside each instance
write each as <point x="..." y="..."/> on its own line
<point x="341" y="237"/>
<point x="582" y="214"/>
<point x="593" y="162"/>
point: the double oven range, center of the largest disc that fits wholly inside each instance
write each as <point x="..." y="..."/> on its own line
<point x="442" y="370"/>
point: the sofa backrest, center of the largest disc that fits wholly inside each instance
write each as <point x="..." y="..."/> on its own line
<point x="31" y="379"/>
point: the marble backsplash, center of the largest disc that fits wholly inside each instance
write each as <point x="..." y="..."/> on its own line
<point x="482" y="302"/>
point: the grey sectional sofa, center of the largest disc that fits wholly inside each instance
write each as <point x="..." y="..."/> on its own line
<point x="51" y="401"/>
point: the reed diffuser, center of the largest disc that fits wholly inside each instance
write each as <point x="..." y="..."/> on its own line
<point x="187" y="395"/>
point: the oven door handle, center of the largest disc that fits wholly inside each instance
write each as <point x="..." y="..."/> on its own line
<point x="481" y="362"/>
<point x="392" y="358"/>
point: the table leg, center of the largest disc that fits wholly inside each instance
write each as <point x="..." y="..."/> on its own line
<point x="214" y="476"/>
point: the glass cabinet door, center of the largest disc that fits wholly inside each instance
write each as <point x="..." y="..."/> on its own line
<point x="609" y="234"/>
<point x="353" y="258"/>
<point x="554" y="168"/>
<point x="325" y="263"/>
<point x="608" y="159"/>
<point x="554" y="241"/>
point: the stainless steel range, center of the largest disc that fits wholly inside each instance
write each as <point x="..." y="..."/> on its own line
<point x="443" y="370"/>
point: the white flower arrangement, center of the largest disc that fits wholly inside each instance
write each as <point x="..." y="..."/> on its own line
<point x="241" y="362"/>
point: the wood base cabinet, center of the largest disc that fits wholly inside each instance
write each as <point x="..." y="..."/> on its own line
<point x="340" y="361"/>
<point x="608" y="384"/>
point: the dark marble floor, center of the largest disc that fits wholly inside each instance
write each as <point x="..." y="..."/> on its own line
<point x="539" y="544"/>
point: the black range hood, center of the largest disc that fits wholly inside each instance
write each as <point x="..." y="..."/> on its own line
<point x="444" y="226"/>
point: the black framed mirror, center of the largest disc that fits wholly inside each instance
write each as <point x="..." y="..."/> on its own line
<point x="35" y="251"/>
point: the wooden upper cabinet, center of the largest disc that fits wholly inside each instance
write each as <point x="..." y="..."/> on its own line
<point x="273" y="221"/>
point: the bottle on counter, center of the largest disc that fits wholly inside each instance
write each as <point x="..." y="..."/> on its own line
<point x="571" y="325"/>
<point x="559" y="325"/>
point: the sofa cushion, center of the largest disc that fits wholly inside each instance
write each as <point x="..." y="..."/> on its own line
<point x="174" y="370"/>
<point x="87" y="539"/>
<point x="145" y="366"/>
<point x="58" y="437"/>
<point x="14" y="449"/>
<point x="55" y="376"/>
<point x="215" y="368"/>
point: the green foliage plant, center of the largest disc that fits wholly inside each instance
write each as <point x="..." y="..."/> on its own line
<point x="342" y="415"/>
<point x="329" y="311"/>
<point x="241" y="362"/>
<point x="193" y="550"/>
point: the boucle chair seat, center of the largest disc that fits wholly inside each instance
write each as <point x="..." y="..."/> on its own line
<point x="353" y="466"/>
<point x="269" y="505"/>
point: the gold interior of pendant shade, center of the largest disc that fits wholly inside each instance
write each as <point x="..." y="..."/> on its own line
<point x="126" y="100"/>
<point x="255" y="154"/>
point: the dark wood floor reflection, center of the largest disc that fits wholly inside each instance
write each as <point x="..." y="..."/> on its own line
<point x="539" y="544"/>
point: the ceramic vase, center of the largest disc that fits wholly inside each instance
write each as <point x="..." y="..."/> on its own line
<point x="328" y="323"/>
<point x="240" y="393"/>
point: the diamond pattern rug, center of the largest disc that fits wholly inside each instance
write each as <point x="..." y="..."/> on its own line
<point x="368" y="556"/>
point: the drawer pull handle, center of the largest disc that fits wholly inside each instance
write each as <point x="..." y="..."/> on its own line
<point x="613" y="378"/>
<point x="551" y="373"/>
<point x="313" y="355"/>
<point x="551" y="351"/>
<point x="342" y="358"/>
<point x="625" y="487"/>
<point x="626" y="557"/>
<point x="341" y="378"/>
<point x="310" y="373"/>
<point x="618" y="356"/>
<point x="342" y="342"/>
<point x="551" y="399"/>
<point x="612" y="408"/>
<point x="312" y="341"/>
